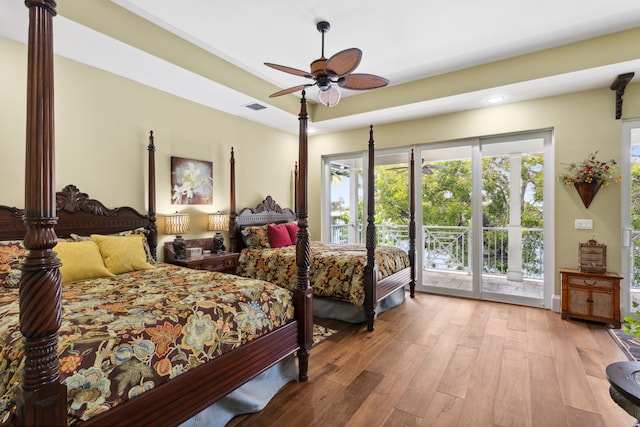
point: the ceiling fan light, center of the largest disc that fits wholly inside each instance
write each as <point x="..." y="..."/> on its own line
<point x="329" y="96"/>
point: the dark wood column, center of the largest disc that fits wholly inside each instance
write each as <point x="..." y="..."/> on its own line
<point x="370" y="269"/>
<point x="151" y="209"/>
<point x="40" y="398"/>
<point x="303" y="294"/>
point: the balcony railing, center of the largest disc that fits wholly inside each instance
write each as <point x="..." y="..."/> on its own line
<point x="449" y="248"/>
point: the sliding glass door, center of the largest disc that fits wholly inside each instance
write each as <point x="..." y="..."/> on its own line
<point x="483" y="218"/>
<point x="483" y="213"/>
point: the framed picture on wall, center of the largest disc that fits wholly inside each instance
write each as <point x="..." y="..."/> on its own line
<point x="191" y="182"/>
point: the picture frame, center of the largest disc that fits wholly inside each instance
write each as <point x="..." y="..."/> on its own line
<point x="191" y="181"/>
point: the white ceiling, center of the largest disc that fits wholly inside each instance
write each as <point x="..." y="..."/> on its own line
<point x="409" y="41"/>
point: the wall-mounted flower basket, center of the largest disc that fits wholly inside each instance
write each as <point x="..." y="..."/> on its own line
<point x="587" y="191"/>
<point x="588" y="176"/>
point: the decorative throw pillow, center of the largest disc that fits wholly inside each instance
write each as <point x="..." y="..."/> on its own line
<point x="278" y="235"/>
<point x="256" y="237"/>
<point x="11" y="254"/>
<point x="292" y="228"/>
<point x="80" y="261"/>
<point x="140" y="230"/>
<point x="122" y="254"/>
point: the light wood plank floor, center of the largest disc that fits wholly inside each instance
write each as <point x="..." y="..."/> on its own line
<point x="442" y="361"/>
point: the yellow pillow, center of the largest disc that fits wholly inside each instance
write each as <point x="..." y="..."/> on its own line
<point x="80" y="261"/>
<point x="122" y="254"/>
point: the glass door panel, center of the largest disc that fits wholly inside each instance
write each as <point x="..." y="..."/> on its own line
<point x="630" y="166"/>
<point x="446" y="220"/>
<point x="343" y="178"/>
<point x="512" y="220"/>
<point x="391" y="195"/>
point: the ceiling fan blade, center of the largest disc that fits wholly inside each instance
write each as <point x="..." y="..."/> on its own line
<point x="343" y="62"/>
<point x="290" y="90"/>
<point x="362" y="81"/>
<point x="289" y="70"/>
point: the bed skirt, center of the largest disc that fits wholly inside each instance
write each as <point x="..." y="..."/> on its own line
<point x="251" y="397"/>
<point x="346" y="312"/>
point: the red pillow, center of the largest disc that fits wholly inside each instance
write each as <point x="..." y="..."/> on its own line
<point x="292" y="228"/>
<point x="278" y="236"/>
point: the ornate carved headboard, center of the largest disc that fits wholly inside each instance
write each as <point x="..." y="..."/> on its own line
<point x="77" y="213"/>
<point x="267" y="212"/>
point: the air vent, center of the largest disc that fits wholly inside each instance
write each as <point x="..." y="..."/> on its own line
<point x="256" y="106"/>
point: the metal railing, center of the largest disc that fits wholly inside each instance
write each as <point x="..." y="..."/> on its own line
<point x="449" y="248"/>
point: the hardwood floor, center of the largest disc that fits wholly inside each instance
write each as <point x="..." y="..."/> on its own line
<point x="441" y="361"/>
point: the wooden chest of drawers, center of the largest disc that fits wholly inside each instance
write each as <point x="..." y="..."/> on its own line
<point x="591" y="296"/>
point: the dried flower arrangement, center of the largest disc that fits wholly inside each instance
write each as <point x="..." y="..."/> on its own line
<point x="592" y="170"/>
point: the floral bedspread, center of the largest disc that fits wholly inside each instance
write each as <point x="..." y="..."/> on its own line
<point x="124" y="335"/>
<point x="336" y="270"/>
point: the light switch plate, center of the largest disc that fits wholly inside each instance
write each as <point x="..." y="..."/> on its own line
<point x="584" y="224"/>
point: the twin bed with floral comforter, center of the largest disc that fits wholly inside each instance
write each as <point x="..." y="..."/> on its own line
<point x="336" y="270"/>
<point x="124" y="335"/>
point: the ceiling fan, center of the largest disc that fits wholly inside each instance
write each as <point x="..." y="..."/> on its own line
<point x="332" y="74"/>
<point x="427" y="169"/>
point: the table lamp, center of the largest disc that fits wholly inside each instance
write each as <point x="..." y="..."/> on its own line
<point x="177" y="224"/>
<point x="218" y="222"/>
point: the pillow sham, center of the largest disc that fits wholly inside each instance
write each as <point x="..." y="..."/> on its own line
<point x="80" y="261"/>
<point x="278" y="235"/>
<point x="122" y="254"/>
<point x="11" y="254"/>
<point x="256" y="237"/>
<point x="141" y="230"/>
<point x="292" y="228"/>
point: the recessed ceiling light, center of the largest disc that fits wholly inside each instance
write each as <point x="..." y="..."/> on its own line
<point x="495" y="99"/>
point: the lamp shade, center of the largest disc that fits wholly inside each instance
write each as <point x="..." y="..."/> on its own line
<point x="329" y="96"/>
<point x="176" y="223"/>
<point x="218" y="222"/>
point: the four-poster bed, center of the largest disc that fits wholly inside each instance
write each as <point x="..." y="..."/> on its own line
<point x="350" y="282"/>
<point x="44" y="395"/>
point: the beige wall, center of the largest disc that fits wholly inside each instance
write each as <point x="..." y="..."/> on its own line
<point x="103" y="121"/>
<point x="102" y="128"/>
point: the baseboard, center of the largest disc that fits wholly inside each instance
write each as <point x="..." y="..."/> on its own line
<point x="556" y="303"/>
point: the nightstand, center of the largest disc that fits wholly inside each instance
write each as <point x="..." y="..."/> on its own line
<point x="224" y="263"/>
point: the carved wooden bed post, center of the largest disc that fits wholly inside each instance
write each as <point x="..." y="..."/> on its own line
<point x="233" y="245"/>
<point x="40" y="398"/>
<point x="153" y="228"/>
<point x="370" y="269"/>
<point x="303" y="294"/>
<point x="412" y="225"/>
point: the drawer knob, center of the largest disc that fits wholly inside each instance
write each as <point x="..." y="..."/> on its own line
<point x="590" y="284"/>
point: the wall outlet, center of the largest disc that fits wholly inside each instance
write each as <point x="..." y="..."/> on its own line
<point x="584" y="224"/>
